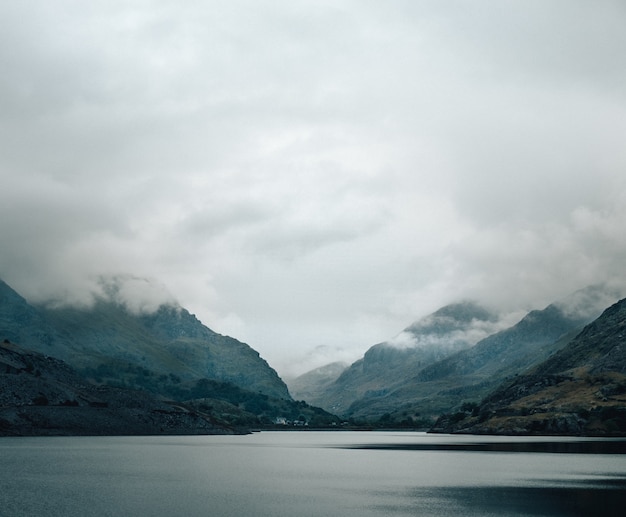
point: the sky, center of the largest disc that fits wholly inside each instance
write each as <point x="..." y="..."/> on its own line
<point x="311" y="177"/>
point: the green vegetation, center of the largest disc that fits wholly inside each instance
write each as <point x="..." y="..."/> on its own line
<point x="224" y="400"/>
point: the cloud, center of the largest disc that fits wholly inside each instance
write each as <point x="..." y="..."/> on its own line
<point x="454" y="327"/>
<point x="138" y="295"/>
<point x="312" y="174"/>
<point x="317" y="357"/>
<point x="531" y="262"/>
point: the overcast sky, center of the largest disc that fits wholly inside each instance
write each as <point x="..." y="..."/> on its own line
<point x="311" y="177"/>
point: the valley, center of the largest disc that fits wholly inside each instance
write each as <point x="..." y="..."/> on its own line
<point x="107" y="369"/>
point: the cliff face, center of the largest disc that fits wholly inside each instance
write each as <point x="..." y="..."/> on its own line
<point x="580" y="389"/>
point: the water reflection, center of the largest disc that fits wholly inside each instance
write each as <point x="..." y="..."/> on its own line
<point x="563" y="447"/>
<point x="518" y="501"/>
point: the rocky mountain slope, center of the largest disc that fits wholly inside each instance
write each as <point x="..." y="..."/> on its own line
<point x="40" y="395"/>
<point x="581" y="389"/>
<point x="386" y="366"/>
<point x="165" y="354"/>
<point x="110" y="343"/>
<point x="401" y="385"/>
<point x="467" y="376"/>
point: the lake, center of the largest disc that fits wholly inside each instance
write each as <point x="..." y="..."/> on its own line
<point x="309" y="473"/>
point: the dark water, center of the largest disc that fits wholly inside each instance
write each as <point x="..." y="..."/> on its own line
<point x="311" y="474"/>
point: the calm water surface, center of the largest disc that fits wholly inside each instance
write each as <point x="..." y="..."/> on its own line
<point x="311" y="474"/>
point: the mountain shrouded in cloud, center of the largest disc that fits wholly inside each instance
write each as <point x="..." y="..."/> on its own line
<point x="445" y="362"/>
<point x="312" y="175"/>
<point x="386" y="366"/>
<point x="454" y="326"/>
<point x="161" y="348"/>
<point x="578" y="390"/>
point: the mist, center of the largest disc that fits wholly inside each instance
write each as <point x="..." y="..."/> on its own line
<point x="312" y="176"/>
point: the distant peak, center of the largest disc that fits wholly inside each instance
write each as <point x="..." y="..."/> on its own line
<point x="466" y="310"/>
<point x="453" y="316"/>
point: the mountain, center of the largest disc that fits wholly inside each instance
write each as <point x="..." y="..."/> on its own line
<point x="313" y="383"/>
<point x="527" y="342"/>
<point x="109" y="342"/>
<point x="166" y="354"/>
<point x="580" y="390"/>
<point x="40" y="395"/>
<point x="20" y="321"/>
<point x="386" y="366"/>
<point x="468" y="375"/>
<point x="419" y="375"/>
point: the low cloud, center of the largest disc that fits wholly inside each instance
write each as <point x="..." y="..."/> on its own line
<point x="319" y="356"/>
<point x="305" y="174"/>
<point x="427" y="331"/>
<point x="138" y="295"/>
<point x="590" y="302"/>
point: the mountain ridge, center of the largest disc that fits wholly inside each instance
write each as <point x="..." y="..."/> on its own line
<point x="423" y="392"/>
<point x="142" y="358"/>
<point x="424" y="342"/>
<point x="580" y="389"/>
<point x="168" y="341"/>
